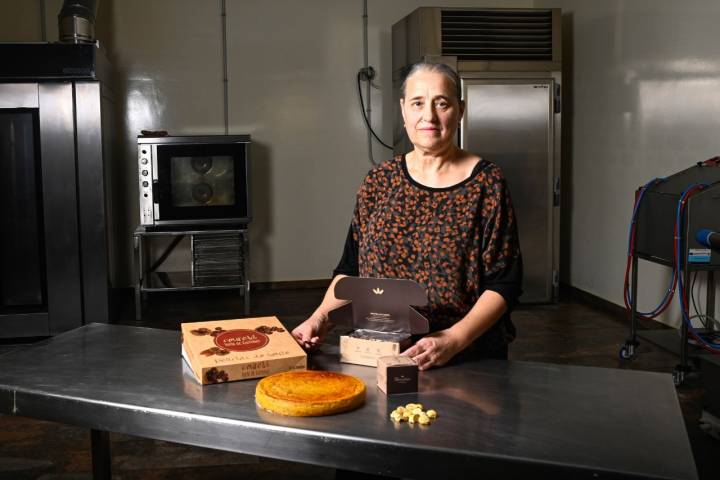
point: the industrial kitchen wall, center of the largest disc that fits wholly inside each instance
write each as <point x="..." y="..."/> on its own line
<point x="641" y="101"/>
<point x="643" y="78"/>
<point x="291" y="69"/>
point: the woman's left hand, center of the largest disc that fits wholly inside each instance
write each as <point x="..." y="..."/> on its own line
<point x="434" y="350"/>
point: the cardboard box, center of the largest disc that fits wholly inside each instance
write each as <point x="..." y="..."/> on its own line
<point x="397" y="374"/>
<point x="382" y="314"/>
<point x="228" y="350"/>
<point x="364" y="347"/>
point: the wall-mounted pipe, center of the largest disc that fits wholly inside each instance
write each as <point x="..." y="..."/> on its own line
<point x="43" y="28"/>
<point x="366" y="64"/>
<point x="226" y="93"/>
<point x="76" y="21"/>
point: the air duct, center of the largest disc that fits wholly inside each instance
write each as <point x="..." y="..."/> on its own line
<point x="76" y="21"/>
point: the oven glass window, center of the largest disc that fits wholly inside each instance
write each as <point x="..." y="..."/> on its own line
<point x="202" y="181"/>
<point x="199" y="183"/>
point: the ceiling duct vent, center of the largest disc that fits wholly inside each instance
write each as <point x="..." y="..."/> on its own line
<point x="76" y="21"/>
<point x="498" y="34"/>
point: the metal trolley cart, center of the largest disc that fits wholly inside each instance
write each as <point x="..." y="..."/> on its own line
<point x="668" y="217"/>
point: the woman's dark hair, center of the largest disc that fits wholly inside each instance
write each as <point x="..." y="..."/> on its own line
<point x="441" y="68"/>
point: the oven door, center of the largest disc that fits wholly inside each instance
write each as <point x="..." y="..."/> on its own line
<point x="200" y="184"/>
<point x="41" y="287"/>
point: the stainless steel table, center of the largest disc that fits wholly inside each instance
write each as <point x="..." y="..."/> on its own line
<point x="496" y="419"/>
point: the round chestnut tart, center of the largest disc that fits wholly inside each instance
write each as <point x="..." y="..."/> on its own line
<point x="309" y="393"/>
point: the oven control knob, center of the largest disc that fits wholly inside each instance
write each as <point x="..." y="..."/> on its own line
<point x="145" y="184"/>
<point x="144" y="161"/>
<point x="144" y="173"/>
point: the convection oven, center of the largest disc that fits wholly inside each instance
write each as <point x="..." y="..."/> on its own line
<point x="193" y="180"/>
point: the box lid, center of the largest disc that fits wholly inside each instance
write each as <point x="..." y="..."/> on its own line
<point x="381" y="304"/>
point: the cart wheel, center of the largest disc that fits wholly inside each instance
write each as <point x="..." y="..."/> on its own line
<point x="678" y="377"/>
<point x="627" y="351"/>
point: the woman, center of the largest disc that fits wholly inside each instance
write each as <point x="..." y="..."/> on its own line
<point x="440" y="216"/>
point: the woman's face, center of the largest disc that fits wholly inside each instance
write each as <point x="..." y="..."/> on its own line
<point x="431" y="111"/>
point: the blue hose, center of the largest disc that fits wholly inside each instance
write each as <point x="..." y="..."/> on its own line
<point x="633" y="221"/>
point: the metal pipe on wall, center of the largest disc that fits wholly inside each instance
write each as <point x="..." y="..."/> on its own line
<point x="368" y="85"/>
<point x="226" y="95"/>
<point x="76" y="21"/>
<point x="43" y="26"/>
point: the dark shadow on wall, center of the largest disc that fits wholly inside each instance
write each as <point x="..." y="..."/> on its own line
<point x="566" y="171"/>
<point x="121" y="181"/>
<point x="261" y="207"/>
<point x="120" y="186"/>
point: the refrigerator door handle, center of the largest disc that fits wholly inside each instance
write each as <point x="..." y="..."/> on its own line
<point x="556" y="192"/>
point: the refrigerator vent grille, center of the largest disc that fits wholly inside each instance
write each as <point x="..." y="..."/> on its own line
<point x="497" y="34"/>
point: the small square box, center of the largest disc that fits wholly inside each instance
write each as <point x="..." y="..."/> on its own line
<point x="397" y="374"/>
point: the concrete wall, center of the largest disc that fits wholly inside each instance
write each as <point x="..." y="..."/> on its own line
<point x="644" y="84"/>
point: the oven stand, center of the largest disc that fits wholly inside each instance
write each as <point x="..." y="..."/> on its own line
<point x="218" y="261"/>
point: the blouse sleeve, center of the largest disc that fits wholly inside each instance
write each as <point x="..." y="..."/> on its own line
<point x="349" y="261"/>
<point x="501" y="258"/>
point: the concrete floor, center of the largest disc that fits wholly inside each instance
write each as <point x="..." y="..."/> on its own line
<point x="567" y="333"/>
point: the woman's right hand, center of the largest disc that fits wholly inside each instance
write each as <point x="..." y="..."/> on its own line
<point x="311" y="333"/>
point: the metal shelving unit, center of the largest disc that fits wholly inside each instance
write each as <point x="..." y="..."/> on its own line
<point x="219" y="261"/>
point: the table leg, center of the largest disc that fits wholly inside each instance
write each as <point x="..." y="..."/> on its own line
<point x="245" y="270"/>
<point x="139" y="273"/>
<point x="138" y="304"/>
<point x="100" y="446"/>
<point x="246" y="297"/>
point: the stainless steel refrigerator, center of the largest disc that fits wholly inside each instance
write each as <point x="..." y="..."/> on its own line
<point x="510" y="67"/>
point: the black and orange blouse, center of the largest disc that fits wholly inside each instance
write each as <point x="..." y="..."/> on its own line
<point x="456" y="241"/>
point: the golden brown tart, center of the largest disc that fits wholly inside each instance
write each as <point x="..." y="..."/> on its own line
<point x="309" y="393"/>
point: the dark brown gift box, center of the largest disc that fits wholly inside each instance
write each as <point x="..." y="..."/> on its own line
<point x="397" y="374"/>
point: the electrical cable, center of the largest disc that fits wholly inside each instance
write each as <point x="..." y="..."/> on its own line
<point x="687" y="194"/>
<point x="362" y="108"/>
<point x="712" y="320"/>
<point x="692" y="298"/>
<point x="368" y="72"/>
<point x="713" y="323"/>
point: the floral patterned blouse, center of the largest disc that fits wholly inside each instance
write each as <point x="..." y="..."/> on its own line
<point x="456" y="241"/>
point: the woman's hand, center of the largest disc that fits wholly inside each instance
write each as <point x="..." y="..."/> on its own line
<point x="311" y="333"/>
<point x="435" y="349"/>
